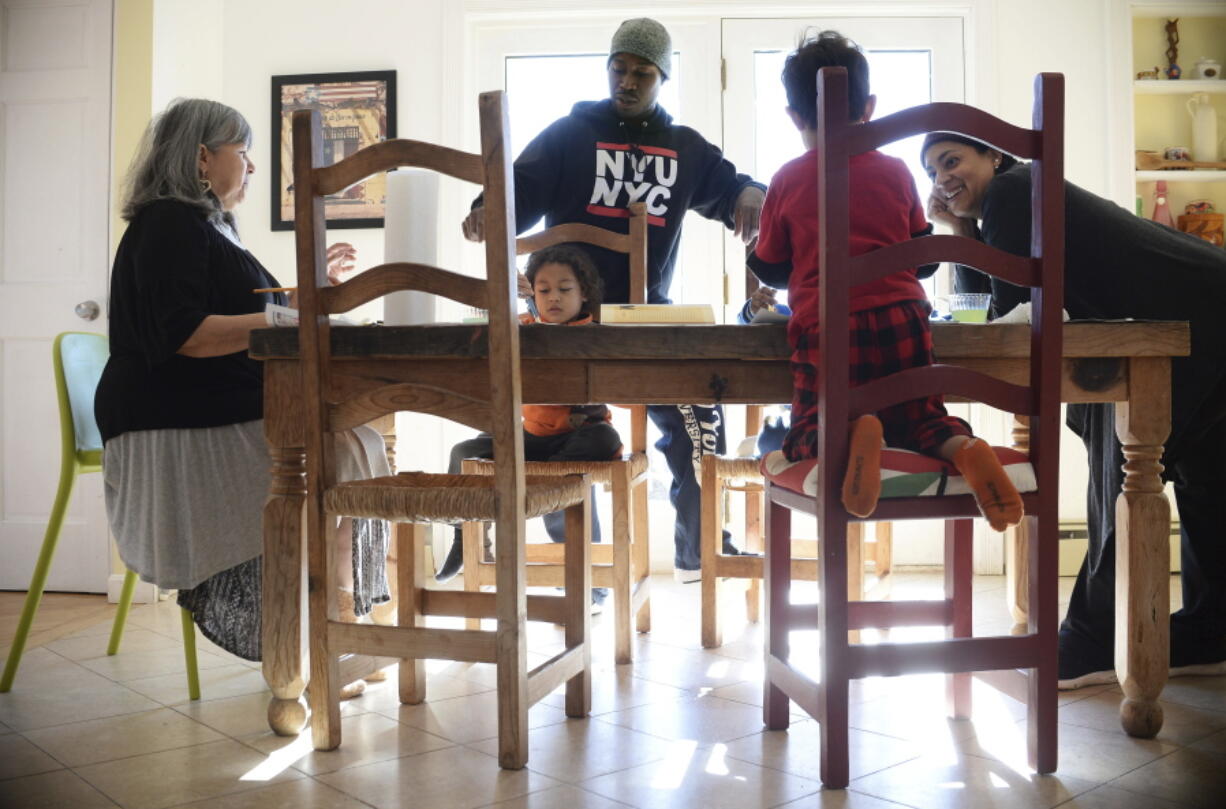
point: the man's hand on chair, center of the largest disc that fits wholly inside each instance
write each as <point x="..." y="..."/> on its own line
<point x="473" y="225"/>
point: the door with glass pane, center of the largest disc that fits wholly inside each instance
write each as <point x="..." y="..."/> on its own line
<point x="911" y="61"/>
<point x="546" y="66"/>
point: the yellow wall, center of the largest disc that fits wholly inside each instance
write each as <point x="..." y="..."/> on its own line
<point x="131" y="108"/>
<point x="133" y="88"/>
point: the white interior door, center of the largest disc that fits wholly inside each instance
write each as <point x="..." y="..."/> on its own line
<point x="911" y="61"/>
<point x="55" y="93"/>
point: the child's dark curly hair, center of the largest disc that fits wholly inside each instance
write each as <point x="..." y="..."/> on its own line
<point x="580" y="262"/>
<point x="815" y="51"/>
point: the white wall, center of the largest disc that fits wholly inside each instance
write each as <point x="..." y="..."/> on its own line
<point x="229" y="49"/>
<point x="188" y="41"/>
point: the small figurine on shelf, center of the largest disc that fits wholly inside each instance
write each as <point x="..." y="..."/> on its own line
<point x="1162" y="212"/>
<point x="1149" y="74"/>
<point x="1172" y="52"/>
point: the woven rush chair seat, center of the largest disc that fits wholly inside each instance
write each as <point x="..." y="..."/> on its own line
<point x="738" y="469"/>
<point x="425" y="497"/>
<point x="599" y="471"/>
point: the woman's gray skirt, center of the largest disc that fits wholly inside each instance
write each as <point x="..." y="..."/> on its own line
<point x="186" y="509"/>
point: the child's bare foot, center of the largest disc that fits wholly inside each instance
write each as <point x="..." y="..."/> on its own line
<point x="994" y="492"/>
<point x="862" y="483"/>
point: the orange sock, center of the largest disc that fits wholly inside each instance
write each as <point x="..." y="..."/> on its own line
<point x="862" y="483"/>
<point x="994" y="492"/>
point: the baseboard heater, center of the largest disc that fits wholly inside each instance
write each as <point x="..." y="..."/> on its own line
<point x="1074" y="550"/>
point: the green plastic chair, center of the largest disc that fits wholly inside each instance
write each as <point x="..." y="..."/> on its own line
<point x="78" y="358"/>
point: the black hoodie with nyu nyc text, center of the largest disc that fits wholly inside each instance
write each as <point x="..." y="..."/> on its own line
<point x="589" y="166"/>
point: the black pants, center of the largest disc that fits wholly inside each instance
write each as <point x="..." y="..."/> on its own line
<point x="1198" y="470"/>
<point x="592" y="442"/>
<point x="687" y="432"/>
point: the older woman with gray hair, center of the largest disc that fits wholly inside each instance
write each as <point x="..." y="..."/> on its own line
<point x="180" y="404"/>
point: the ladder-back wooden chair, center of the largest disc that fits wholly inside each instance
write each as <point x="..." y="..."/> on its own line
<point x="624" y="565"/>
<point x="1024" y="666"/>
<point x="505" y="498"/>
<point x="729" y="473"/>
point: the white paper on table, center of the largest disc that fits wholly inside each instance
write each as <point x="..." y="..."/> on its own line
<point x="280" y="316"/>
<point x="768" y="314"/>
<point x="410" y="232"/>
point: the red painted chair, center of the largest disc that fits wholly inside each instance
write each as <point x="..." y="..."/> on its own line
<point x="1024" y="666"/>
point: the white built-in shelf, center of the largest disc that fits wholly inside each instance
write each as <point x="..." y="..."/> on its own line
<point x="1176" y="176"/>
<point x="1164" y="86"/>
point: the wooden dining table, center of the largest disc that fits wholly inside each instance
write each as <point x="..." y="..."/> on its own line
<point x="1123" y="362"/>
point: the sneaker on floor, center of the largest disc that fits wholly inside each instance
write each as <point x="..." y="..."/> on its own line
<point x="732" y="550"/>
<point x="684" y="576"/>
<point x="1104" y="677"/>
<point x="1083" y="664"/>
<point x="1199" y="669"/>
<point x="1195" y="660"/>
<point x="1196" y="652"/>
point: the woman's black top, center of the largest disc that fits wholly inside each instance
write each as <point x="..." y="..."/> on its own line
<point x="1118" y="265"/>
<point x="174" y="268"/>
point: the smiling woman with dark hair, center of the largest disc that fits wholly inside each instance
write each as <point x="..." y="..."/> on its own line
<point x="1116" y="266"/>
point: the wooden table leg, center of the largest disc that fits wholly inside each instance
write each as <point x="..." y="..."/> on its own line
<point x="283" y="630"/>
<point x="1142" y="531"/>
<point x="1017" y="548"/>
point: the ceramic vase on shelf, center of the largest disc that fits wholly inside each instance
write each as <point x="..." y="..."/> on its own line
<point x="1162" y="211"/>
<point x="1204" y="127"/>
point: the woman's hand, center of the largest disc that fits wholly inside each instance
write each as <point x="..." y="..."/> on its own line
<point x="762" y="298"/>
<point x="523" y="288"/>
<point x="341" y="257"/>
<point x="938" y="211"/>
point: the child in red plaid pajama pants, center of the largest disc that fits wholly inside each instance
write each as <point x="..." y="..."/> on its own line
<point x="889" y="316"/>
<point x="884" y="341"/>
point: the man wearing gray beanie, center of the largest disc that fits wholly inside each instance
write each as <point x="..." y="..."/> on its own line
<point x="588" y="167"/>
<point x="647" y="39"/>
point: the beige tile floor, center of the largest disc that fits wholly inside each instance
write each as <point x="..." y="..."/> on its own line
<point x="679" y="728"/>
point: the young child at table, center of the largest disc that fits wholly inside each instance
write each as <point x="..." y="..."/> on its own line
<point x="889" y="316"/>
<point x="566" y="289"/>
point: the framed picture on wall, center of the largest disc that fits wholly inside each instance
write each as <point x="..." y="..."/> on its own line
<point x="357" y="110"/>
